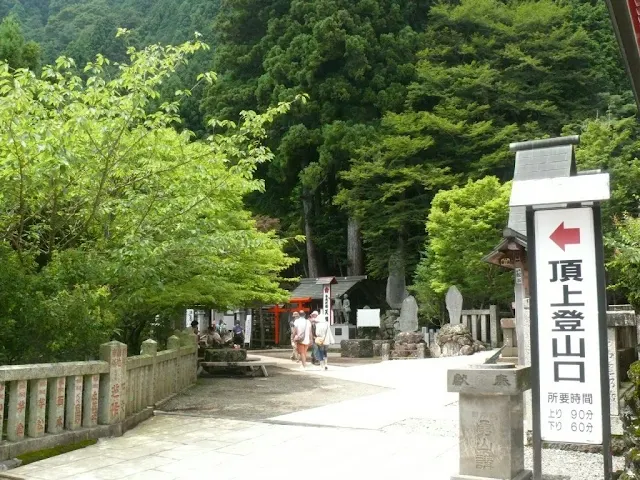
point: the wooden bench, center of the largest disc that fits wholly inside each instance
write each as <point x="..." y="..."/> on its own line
<point x="253" y="365"/>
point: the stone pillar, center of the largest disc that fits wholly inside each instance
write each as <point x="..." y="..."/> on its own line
<point x="17" y="410"/>
<point x="484" y="337"/>
<point x="2" y="395"/>
<point x="173" y="343"/>
<point x="150" y="347"/>
<point x="422" y="350"/>
<point x="55" y="414"/>
<point x="73" y="411"/>
<point x="90" y="393"/>
<point x="37" y="407"/>
<point x="385" y="351"/>
<point x="526" y="351"/>
<point x="112" y="394"/>
<point x="493" y="326"/>
<point x="474" y="327"/>
<point x="614" y="381"/>
<point x="510" y="350"/>
<point x="491" y="421"/>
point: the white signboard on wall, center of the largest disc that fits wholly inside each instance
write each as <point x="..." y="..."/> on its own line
<point x="568" y="334"/>
<point x="189" y="317"/>
<point x="368" y="317"/>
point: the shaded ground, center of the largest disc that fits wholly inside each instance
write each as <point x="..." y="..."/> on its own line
<point x="334" y="358"/>
<point x="256" y="398"/>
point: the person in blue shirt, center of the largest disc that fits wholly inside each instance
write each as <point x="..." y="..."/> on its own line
<point x="238" y="334"/>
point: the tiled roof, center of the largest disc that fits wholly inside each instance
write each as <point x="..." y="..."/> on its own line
<point x="536" y="163"/>
<point x="309" y="288"/>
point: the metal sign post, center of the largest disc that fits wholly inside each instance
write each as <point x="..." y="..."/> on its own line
<point x="570" y="388"/>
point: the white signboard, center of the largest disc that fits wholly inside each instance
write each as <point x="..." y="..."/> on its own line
<point x="188" y="318"/>
<point x="368" y="317"/>
<point x="327" y="312"/>
<point x="247" y="328"/>
<point x="568" y="335"/>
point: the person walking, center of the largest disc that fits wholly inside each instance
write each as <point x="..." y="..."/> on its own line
<point x="314" y="350"/>
<point x="292" y="328"/>
<point x="303" y="337"/>
<point x="324" y="337"/>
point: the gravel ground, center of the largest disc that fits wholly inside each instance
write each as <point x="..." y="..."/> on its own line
<point x="556" y="464"/>
<point x="566" y="465"/>
<point x="256" y="398"/>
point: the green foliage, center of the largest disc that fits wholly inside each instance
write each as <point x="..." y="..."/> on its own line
<point x="112" y="214"/>
<point x="353" y="58"/>
<point x="465" y="223"/>
<point x="14" y="49"/>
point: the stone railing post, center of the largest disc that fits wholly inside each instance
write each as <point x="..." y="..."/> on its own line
<point x="493" y="326"/>
<point x="173" y="343"/>
<point x="491" y="420"/>
<point x="37" y="407"/>
<point x="2" y="395"/>
<point x="55" y="404"/>
<point x="90" y="393"/>
<point x="193" y="372"/>
<point x="150" y="347"/>
<point x="17" y="410"/>
<point x="112" y="396"/>
<point x="385" y="351"/>
<point x="73" y="412"/>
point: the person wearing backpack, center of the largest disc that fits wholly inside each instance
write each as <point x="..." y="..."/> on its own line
<point x="323" y="338"/>
<point x="302" y="337"/>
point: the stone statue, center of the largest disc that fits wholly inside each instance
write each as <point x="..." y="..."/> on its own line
<point x="337" y="310"/>
<point x="454" y="304"/>
<point x="346" y="308"/>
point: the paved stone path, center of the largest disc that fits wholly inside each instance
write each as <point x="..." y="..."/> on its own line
<point x="409" y="428"/>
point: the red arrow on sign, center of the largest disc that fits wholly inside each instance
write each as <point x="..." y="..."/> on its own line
<point x="565" y="236"/>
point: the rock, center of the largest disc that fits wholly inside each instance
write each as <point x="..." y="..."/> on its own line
<point x="454" y="304"/>
<point x="396" y="283"/>
<point x="458" y="329"/>
<point x="423" y="350"/>
<point x="388" y="324"/>
<point x="455" y="340"/>
<point x="410" y="337"/>
<point x="225" y="355"/>
<point x="434" y="350"/>
<point x="409" y="315"/>
<point x="377" y="348"/>
<point x="466" y="350"/>
<point x="360" y="348"/>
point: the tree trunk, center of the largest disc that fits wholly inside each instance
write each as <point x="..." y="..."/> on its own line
<point x="261" y="317"/>
<point x="312" y="257"/>
<point x="354" y="248"/>
<point x="396" y="281"/>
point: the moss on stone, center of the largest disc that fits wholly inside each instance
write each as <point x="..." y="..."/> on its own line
<point x="31" y="457"/>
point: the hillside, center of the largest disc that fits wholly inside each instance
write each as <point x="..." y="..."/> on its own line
<point x="82" y="28"/>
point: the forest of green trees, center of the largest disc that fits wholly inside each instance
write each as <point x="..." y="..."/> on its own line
<point x="387" y="148"/>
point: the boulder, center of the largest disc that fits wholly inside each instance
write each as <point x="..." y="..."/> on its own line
<point x="410" y="337"/>
<point x="225" y="355"/>
<point x="359" y="348"/>
<point x="455" y="340"/>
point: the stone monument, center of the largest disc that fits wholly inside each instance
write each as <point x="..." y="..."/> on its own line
<point x="396" y="283"/>
<point x="454" y="304"/>
<point x="491" y="421"/>
<point x="409" y="315"/>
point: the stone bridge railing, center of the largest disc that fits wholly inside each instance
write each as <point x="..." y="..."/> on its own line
<point x="55" y="404"/>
